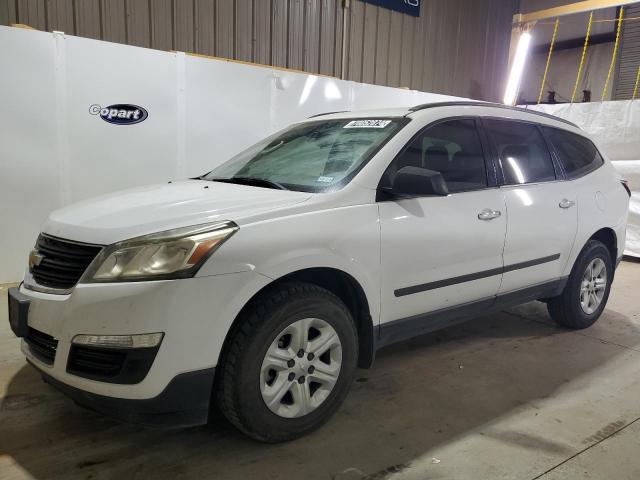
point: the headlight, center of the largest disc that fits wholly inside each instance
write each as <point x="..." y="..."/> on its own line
<point x="177" y="253"/>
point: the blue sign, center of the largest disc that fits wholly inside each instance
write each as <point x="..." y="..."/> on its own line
<point x="410" y="7"/>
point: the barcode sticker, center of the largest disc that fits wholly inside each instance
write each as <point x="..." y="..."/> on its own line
<point x="367" y="124"/>
<point x="325" y="179"/>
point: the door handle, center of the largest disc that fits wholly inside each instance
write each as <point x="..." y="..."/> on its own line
<point x="565" y="203"/>
<point x="489" y="214"/>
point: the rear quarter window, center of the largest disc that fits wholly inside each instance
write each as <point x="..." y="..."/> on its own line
<point x="578" y="155"/>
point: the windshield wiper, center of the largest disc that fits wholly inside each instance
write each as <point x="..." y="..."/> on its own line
<point x="258" y="182"/>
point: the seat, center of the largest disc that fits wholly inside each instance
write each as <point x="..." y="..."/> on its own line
<point x="468" y="168"/>
<point x="437" y="158"/>
<point x="411" y="157"/>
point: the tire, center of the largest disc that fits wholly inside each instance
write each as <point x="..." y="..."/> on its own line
<point x="243" y="376"/>
<point x="568" y="309"/>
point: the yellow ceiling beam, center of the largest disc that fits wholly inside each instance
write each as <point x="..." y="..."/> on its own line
<point x="578" y="7"/>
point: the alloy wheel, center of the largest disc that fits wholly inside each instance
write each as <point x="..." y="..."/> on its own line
<point x="300" y="368"/>
<point x="593" y="286"/>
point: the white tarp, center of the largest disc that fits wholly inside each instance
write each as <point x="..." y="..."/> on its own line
<point x="53" y="151"/>
<point x="630" y="170"/>
<point x="615" y="126"/>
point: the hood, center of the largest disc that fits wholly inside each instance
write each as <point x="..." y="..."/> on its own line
<point x="140" y="211"/>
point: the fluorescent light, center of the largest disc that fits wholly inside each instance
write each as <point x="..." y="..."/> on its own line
<point x="517" y="68"/>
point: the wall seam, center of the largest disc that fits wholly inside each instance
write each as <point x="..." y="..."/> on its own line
<point x="62" y="131"/>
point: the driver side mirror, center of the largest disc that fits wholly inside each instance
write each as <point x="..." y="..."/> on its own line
<point x="417" y="182"/>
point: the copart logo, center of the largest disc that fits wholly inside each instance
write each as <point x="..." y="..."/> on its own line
<point x="120" y="113"/>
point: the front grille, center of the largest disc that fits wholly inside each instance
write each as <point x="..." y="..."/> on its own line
<point x="42" y="346"/>
<point x="113" y="365"/>
<point x="63" y="262"/>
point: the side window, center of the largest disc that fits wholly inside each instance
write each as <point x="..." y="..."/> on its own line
<point x="578" y="155"/>
<point x="452" y="148"/>
<point x="522" y="151"/>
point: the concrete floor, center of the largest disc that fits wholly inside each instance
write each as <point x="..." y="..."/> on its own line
<point x="506" y="396"/>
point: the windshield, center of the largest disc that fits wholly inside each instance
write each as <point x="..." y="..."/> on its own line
<point x="313" y="157"/>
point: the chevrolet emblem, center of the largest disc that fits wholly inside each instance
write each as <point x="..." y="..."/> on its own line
<point x="35" y="258"/>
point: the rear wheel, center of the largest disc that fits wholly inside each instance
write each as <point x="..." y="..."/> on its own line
<point x="288" y="364"/>
<point x="587" y="291"/>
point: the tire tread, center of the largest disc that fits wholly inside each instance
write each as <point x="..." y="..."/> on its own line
<point x="562" y="308"/>
<point x="251" y="317"/>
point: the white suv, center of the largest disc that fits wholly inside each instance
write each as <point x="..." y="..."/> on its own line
<point x="261" y="286"/>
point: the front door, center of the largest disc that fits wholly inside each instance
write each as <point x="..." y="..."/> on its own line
<point x="442" y="252"/>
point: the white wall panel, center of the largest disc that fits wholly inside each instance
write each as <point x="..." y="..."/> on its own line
<point x="296" y="96"/>
<point x="53" y="151"/>
<point x="367" y="96"/>
<point x="103" y="156"/>
<point x="227" y="110"/>
<point x="29" y="161"/>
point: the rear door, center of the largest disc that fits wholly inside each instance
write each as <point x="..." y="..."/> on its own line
<point x="541" y="207"/>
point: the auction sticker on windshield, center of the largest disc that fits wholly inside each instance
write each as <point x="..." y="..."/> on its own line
<point x="367" y="124"/>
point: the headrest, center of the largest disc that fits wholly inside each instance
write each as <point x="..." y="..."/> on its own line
<point x="436" y="150"/>
<point x="437" y="158"/>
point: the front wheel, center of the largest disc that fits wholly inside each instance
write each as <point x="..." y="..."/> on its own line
<point x="587" y="291"/>
<point x="289" y="362"/>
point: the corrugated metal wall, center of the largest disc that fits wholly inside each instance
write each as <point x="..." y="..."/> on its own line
<point x="629" y="58"/>
<point x="457" y="47"/>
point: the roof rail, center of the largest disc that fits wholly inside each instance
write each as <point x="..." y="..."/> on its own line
<point x="327" y="113"/>
<point x="465" y="103"/>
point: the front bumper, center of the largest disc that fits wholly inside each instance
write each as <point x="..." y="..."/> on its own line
<point x="194" y="314"/>
<point x="183" y="403"/>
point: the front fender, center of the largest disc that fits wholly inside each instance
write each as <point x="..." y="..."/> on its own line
<point x="343" y="238"/>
